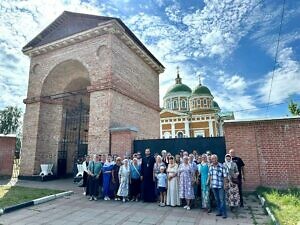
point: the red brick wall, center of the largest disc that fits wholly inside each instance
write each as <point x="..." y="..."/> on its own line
<point x="7" y="149"/>
<point x="270" y="150"/>
<point x="122" y="142"/>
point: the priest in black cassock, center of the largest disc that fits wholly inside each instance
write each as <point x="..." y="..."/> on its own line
<point x="148" y="185"/>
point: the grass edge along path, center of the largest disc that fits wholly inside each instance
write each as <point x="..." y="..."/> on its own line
<point x="13" y="195"/>
<point x="284" y="204"/>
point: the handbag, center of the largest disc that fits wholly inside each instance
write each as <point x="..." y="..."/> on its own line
<point x="235" y="180"/>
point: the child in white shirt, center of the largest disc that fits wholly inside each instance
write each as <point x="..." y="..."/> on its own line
<point x="162" y="185"/>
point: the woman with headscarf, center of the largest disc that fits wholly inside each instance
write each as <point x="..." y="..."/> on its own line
<point x="203" y="168"/>
<point x="231" y="185"/>
<point x="107" y="175"/>
<point x="115" y="177"/>
<point x="186" y="181"/>
<point x="124" y="177"/>
<point x="173" y="189"/>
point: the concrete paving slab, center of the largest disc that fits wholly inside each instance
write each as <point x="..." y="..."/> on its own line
<point x="77" y="209"/>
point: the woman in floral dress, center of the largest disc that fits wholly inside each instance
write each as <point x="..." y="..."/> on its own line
<point x="231" y="186"/>
<point x="124" y="177"/>
<point x="186" y="181"/>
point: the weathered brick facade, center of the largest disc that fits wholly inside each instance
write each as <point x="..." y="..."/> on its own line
<point x="7" y="150"/>
<point x="122" y="141"/>
<point x="270" y="149"/>
<point x="120" y="78"/>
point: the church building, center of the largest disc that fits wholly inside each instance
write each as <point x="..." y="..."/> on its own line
<point x="190" y="113"/>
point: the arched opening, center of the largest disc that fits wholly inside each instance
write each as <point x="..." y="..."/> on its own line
<point x="183" y="104"/>
<point x="167" y="135"/>
<point x="175" y="105"/>
<point x="64" y="116"/>
<point x="179" y="134"/>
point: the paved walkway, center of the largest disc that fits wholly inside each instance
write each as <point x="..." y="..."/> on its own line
<point x="76" y="209"/>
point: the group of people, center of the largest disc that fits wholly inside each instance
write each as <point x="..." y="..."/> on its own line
<point x="179" y="180"/>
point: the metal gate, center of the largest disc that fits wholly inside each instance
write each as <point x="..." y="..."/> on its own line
<point x="75" y="137"/>
<point x="173" y="145"/>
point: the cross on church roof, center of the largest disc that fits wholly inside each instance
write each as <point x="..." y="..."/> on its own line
<point x="199" y="79"/>
<point x="178" y="79"/>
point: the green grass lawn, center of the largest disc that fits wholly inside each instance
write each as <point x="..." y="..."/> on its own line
<point x="285" y="204"/>
<point x="16" y="194"/>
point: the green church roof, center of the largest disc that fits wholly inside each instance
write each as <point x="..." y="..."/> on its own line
<point x="179" y="88"/>
<point x="201" y="90"/>
<point x="216" y="105"/>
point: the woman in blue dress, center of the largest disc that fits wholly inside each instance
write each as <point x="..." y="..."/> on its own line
<point x="203" y="169"/>
<point x="107" y="176"/>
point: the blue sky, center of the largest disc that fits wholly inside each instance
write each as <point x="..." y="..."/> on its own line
<point x="230" y="43"/>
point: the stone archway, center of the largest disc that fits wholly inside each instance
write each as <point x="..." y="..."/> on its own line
<point x="63" y="90"/>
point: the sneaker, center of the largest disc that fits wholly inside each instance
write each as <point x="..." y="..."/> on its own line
<point x="105" y="198"/>
<point x="224" y="217"/>
<point x="116" y="199"/>
<point x="95" y="198"/>
<point x="83" y="193"/>
<point x="185" y="207"/>
<point x="108" y="199"/>
<point x="219" y="214"/>
<point x="124" y="200"/>
<point x="91" y="198"/>
<point x="163" y="204"/>
<point x="188" y="208"/>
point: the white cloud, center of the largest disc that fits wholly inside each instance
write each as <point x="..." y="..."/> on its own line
<point x="210" y="33"/>
<point x="219" y="26"/>
<point x="235" y="83"/>
<point x="174" y="12"/>
<point x="286" y="79"/>
<point x="20" y="22"/>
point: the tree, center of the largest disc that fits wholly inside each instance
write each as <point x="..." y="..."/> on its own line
<point x="9" y="120"/>
<point x="294" y="108"/>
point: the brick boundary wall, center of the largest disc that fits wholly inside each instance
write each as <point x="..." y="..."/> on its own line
<point x="7" y="149"/>
<point x="270" y="149"/>
<point x="122" y="141"/>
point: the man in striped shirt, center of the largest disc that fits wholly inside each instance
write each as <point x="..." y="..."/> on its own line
<point x="216" y="177"/>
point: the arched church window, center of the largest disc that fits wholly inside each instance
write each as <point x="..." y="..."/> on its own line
<point x="183" y="104"/>
<point x="175" y="105"/>
<point x="168" y="104"/>
<point x="167" y="135"/>
<point x="180" y="134"/>
<point x="205" y="103"/>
